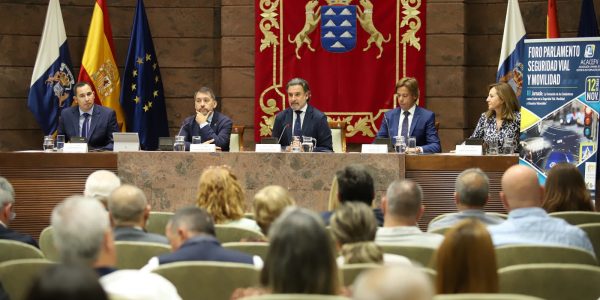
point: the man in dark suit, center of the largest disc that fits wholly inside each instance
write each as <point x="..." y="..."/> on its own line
<point x="191" y="233"/>
<point x="302" y="119"/>
<point x="93" y="122"/>
<point x="410" y="120"/>
<point x="211" y="126"/>
<point x="129" y="211"/>
<point x="7" y="200"/>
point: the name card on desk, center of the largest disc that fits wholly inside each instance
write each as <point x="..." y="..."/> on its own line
<point x="469" y="150"/>
<point x="203" y="148"/>
<point x="75" y="148"/>
<point x="267" y="148"/>
<point x="374" y="148"/>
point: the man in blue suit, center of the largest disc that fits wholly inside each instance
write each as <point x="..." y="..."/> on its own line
<point x="7" y="201"/>
<point x="410" y="120"/>
<point x="93" y="122"/>
<point x="302" y="119"/>
<point x="211" y="126"/>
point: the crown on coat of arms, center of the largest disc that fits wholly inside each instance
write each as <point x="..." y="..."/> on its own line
<point x="338" y="2"/>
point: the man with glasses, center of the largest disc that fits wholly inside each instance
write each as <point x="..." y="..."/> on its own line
<point x="7" y="201"/>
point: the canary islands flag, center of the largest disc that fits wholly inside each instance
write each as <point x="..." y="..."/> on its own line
<point x="510" y="65"/>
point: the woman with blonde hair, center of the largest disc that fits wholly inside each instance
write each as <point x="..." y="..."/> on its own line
<point x="221" y="195"/>
<point x="566" y="190"/>
<point x="466" y="261"/>
<point x="269" y="202"/>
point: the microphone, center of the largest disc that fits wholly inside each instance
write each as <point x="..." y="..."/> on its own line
<point x="282" y="131"/>
<point x="180" y="129"/>
<point x="387" y="125"/>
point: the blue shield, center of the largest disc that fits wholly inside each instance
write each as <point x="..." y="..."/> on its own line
<point x="338" y="28"/>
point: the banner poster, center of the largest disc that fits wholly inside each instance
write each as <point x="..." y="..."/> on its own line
<point x="560" y="101"/>
<point x="351" y="52"/>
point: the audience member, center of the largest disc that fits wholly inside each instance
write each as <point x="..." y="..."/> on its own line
<point x="353" y="227"/>
<point x="100" y="184"/>
<point x="269" y="203"/>
<point x="402" y="209"/>
<point x="566" y="190"/>
<point x="137" y="285"/>
<point x="527" y="222"/>
<point x="466" y="261"/>
<point x="191" y="233"/>
<point x="393" y="283"/>
<point x="471" y="193"/>
<point x="211" y="126"/>
<point x="82" y="234"/>
<point x="221" y="195"/>
<point x="355" y="183"/>
<point x="66" y="282"/>
<point x="7" y="215"/>
<point x="129" y="211"/>
<point x="302" y="119"/>
<point x="95" y="123"/>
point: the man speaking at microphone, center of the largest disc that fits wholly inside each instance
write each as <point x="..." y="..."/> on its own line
<point x="301" y="119"/>
<point x="212" y="127"/>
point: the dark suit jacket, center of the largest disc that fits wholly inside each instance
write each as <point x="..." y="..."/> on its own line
<point x="133" y="234"/>
<point x="204" y="248"/>
<point x="422" y="128"/>
<point x="219" y="129"/>
<point x="102" y="126"/>
<point x="9" y="234"/>
<point x="314" y="125"/>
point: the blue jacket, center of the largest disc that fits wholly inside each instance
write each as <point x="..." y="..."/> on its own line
<point x="204" y="248"/>
<point x="9" y="234"/>
<point x="422" y="128"/>
<point x="102" y="126"/>
<point x="314" y="125"/>
<point x="219" y="129"/>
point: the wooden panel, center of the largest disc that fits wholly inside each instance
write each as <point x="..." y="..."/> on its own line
<point x="448" y="162"/>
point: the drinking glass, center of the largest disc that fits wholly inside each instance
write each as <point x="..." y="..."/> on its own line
<point x="508" y="147"/>
<point x="179" y="144"/>
<point x="196" y="140"/>
<point x="400" y="145"/>
<point x="296" y="144"/>
<point x="60" y="143"/>
<point x="308" y="143"/>
<point x="48" y="143"/>
<point x="412" y="145"/>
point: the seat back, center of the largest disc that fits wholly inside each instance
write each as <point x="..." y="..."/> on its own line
<point x="350" y="272"/>
<point x="593" y="233"/>
<point x="419" y="254"/>
<point x="252" y="248"/>
<point x="208" y="280"/>
<point x="157" y="221"/>
<point x="338" y="135"/>
<point x="295" y="297"/>
<point x="530" y="254"/>
<point x="11" y="250"/>
<point x="230" y="233"/>
<point x="236" y="139"/>
<point x="47" y="244"/>
<point x="134" y="255"/>
<point x="17" y="275"/>
<point x="438" y="217"/>
<point x="551" y="281"/>
<point x="440" y="230"/>
<point x="491" y="296"/>
<point x="577" y="217"/>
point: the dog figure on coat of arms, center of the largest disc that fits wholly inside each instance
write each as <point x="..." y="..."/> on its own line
<point x="366" y="22"/>
<point x="310" y="24"/>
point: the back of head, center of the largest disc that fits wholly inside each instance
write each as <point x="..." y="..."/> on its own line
<point x="269" y="202"/>
<point x="127" y="205"/>
<point x="80" y="224"/>
<point x="353" y="226"/>
<point x="566" y="190"/>
<point x="100" y="184"/>
<point x="7" y="192"/>
<point x="66" y="282"/>
<point x="466" y="261"/>
<point x="520" y="188"/>
<point x="298" y="241"/>
<point x="355" y="184"/>
<point x="393" y="283"/>
<point x="404" y="199"/>
<point x="193" y="219"/>
<point x="220" y="194"/>
<point x="472" y="188"/>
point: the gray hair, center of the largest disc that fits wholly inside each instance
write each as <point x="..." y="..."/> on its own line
<point x="127" y="204"/>
<point x="404" y="198"/>
<point x="298" y="81"/>
<point x="80" y="224"/>
<point x="7" y="192"/>
<point x="100" y="184"/>
<point x="472" y="187"/>
<point x="393" y="282"/>
<point x="194" y="219"/>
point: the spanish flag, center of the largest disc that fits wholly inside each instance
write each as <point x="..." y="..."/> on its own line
<point x="552" y="30"/>
<point x="98" y="65"/>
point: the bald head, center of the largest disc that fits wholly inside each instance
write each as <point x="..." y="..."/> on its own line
<point x="520" y="188"/>
<point x="128" y="206"/>
<point x="396" y="282"/>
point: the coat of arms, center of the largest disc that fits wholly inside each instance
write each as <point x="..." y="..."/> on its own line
<point x="62" y="82"/>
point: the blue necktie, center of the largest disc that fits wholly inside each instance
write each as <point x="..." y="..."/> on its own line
<point x="404" y="131"/>
<point x="297" y="124"/>
<point x="84" y="127"/>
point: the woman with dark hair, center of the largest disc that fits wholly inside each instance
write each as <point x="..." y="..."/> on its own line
<point x="566" y="190"/>
<point x="466" y="261"/>
<point x="67" y="282"/>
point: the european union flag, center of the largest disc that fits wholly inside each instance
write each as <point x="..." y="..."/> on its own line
<point x="587" y="20"/>
<point x="142" y="94"/>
